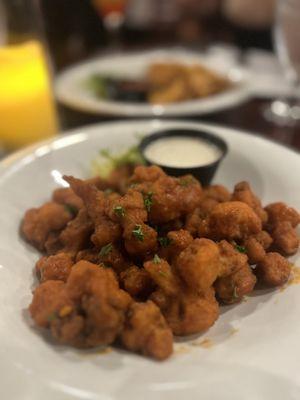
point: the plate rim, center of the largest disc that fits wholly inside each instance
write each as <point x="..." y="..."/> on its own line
<point x="241" y="93"/>
<point x="18" y="155"/>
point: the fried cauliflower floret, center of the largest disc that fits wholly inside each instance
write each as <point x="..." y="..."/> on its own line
<point x="38" y="223"/>
<point x="189" y="312"/>
<point x="171" y="198"/>
<point x="89" y="310"/>
<point x="280" y="212"/>
<point x="173" y="244"/>
<point x="130" y="211"/>
<point x="242" y="192"/>
<point x="231" y="260"/>
<point x="231" y="220"/>
<point x="282" y="221"/>
<point x="186" y="311"/>
<point x="96" y="203"/>
<point x="285" y="238"/>
<point x="254" y="250"/>
<point x="96" y="292"/>
<point x="199" y="264"/>
<point x="57" y="267"/>
<point x="137" y="282"/>
<point x="216" y="192"/>
<point x="149" y="174"/>
<point x="76" y="234"/>
<point x="161" y="273"/>
<point x="193" y="221"/>
<point x="147" y="332"/>
<point x="66" y="196"/>
<point x="48" y="300"/>
<point x="74" y="237"/>
<point x="273" y="270"/>
<point x="110" y="256"/>
<point x="232" y="288"/>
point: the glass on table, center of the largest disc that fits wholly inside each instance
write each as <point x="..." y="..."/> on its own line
<point x="286" y="41"/>
<point x="113" y="14"/>
<point x="27" y="110"/>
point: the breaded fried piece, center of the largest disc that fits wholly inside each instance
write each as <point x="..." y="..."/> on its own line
<point x="279" y="212"/>
<point x="199" y="264"/>
<point x="231" y="259"/>
<point x="48" y="300"/>
<point x="236" y="278"/>
<point x="186" y="311"/>
<point x="96" y="203"/>
<point x="171" y="198"/>
<point x="216" y="192"/>
<point x="189" y="312"/>
<point x="38" y="223"/>
<point x="147" y="332"/>
<point x="66" y="196"/>
<point x="137" y="282"/>
<point x="285" y="238"/>
<point x="282" y="221"/>
<point x="232" y="220"/>
<point x="232" y="288"/>
<point x="243" y="192"/>
<point x="89" y="310"/>
<point x="57" y="267"/>
<point x="77" y="233"/>
<point x="273" y="270"/>
<point x="174" y="243"/>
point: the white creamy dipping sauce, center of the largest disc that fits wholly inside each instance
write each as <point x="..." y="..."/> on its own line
<point x="185" y="152"/>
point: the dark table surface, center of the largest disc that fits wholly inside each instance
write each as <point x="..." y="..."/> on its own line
<point x="247" y="116"/>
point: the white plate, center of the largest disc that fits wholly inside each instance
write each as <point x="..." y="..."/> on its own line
<point x="255" y="353"/>
<point x="71" y="88"/>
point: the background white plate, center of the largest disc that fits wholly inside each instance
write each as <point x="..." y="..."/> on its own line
<point x="71" y="90"/>
<point x="255" y="353"/>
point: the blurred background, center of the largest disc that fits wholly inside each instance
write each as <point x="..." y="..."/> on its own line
<point x="71" y="31"/>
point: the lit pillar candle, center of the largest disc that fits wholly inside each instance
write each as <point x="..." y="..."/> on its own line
<point x="27" y="111"/>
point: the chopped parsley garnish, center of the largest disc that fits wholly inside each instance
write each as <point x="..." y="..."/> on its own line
<point x="105" y="250"/>
<point x="108" y="191"/>
<point x="106" y="265"/>
<point x="235" y="295"/>
<point x="162" y="273"/>
<point x="156" y="259"/>
<point x="71" y="209"/>
<point x="52" y="317"/>
<point x="164" y="241"/>
<point x="138" y="233"/>
<point x="186" y="181"/>
<point x="241" y="249"/>
<point x="148" y="201"/>
<point x="119" y="211"/>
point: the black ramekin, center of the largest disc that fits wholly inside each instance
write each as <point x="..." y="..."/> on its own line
<point x="203" y="173"/>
